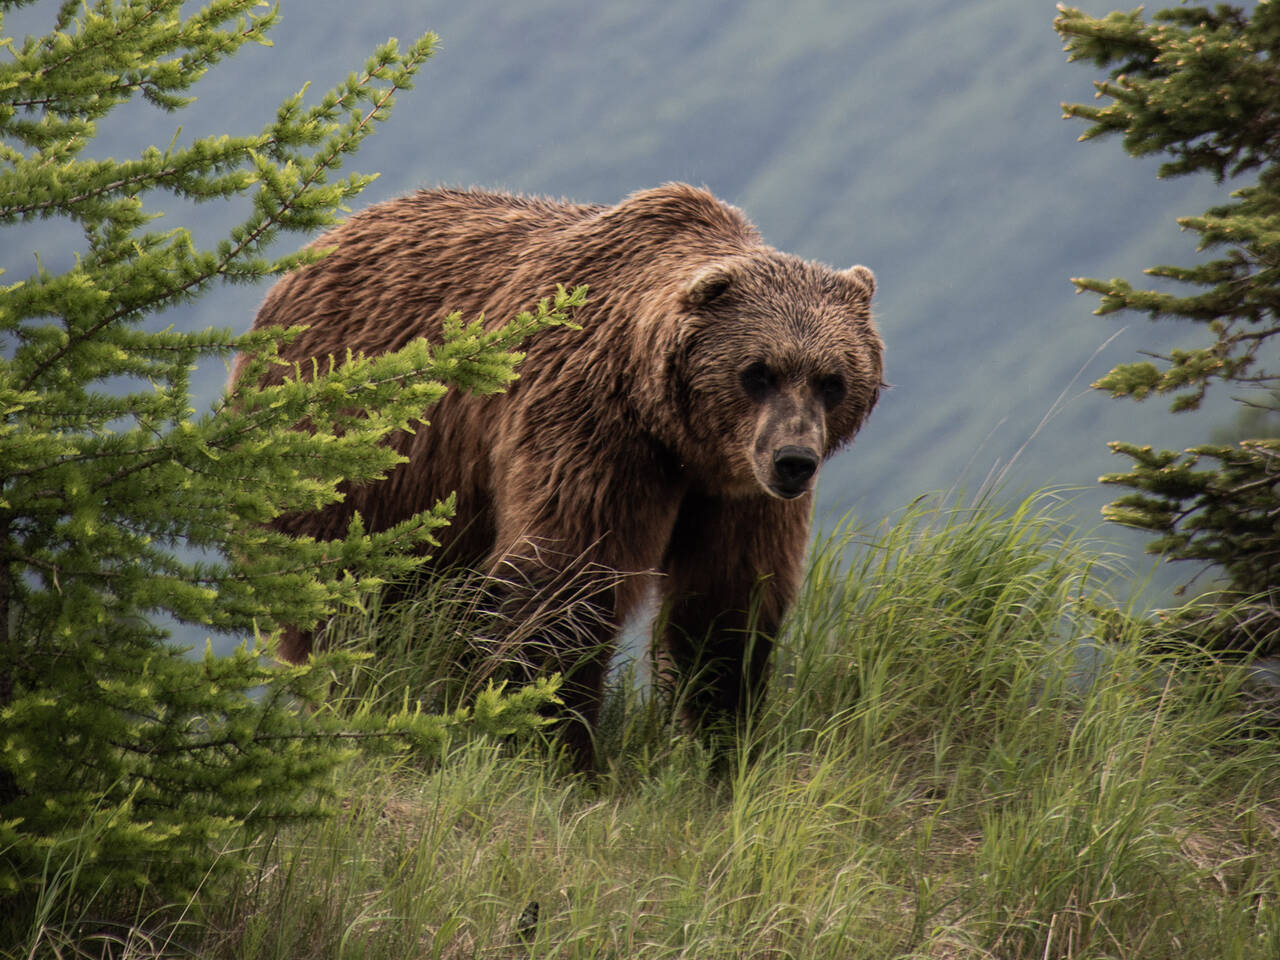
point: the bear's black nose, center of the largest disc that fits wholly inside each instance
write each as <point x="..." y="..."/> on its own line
<point x="793" y="466"/>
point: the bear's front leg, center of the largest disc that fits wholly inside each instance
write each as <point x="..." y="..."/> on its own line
<point x="557" y="614"/>
<point x="732" y="569"/>
<point x="577" y="545"/>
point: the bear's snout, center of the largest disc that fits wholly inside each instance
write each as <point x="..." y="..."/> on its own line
<point x="792" y="469"/>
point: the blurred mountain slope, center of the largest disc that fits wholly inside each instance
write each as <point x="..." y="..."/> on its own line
<point x="921" y="139"/>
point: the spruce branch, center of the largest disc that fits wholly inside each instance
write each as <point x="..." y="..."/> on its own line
<point x="111" y="741"/>
<point x="1201" y="87"/>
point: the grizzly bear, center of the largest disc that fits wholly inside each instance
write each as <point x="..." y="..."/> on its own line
<point x="675" y="437"/>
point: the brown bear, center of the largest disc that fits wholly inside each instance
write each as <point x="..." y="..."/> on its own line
<point x="675" y="437"/>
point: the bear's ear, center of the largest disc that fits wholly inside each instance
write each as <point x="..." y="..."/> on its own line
<point x="708" y="285"/>
<point x="863" y="277"/>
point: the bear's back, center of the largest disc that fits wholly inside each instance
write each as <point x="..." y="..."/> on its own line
<point x="396" y="268"/>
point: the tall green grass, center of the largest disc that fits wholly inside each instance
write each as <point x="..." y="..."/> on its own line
<point x="948" y="765"/>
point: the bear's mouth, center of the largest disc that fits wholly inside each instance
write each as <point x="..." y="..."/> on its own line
<point x="787" y="492"/>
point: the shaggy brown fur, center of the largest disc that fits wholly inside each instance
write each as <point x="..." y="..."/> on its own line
<point x="679" y="431"/>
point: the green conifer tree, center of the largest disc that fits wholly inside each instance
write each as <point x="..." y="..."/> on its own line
<point x="1203" y="87"/>
<point x="124" y="764"/>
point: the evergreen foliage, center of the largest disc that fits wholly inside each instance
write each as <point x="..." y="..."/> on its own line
<point x="126" y="765"/>
<point x="1203" y="87"/>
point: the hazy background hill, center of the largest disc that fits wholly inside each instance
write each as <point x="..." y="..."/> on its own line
<point x="920" y="138"/>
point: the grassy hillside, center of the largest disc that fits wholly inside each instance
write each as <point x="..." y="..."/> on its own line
<point x="938" y="773"/>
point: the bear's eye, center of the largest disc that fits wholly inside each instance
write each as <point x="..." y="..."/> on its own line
<point x="832" y="390"/>
<point x="758" y="381"/>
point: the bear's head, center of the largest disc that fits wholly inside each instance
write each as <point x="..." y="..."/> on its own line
<point x="777" y="364"/>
